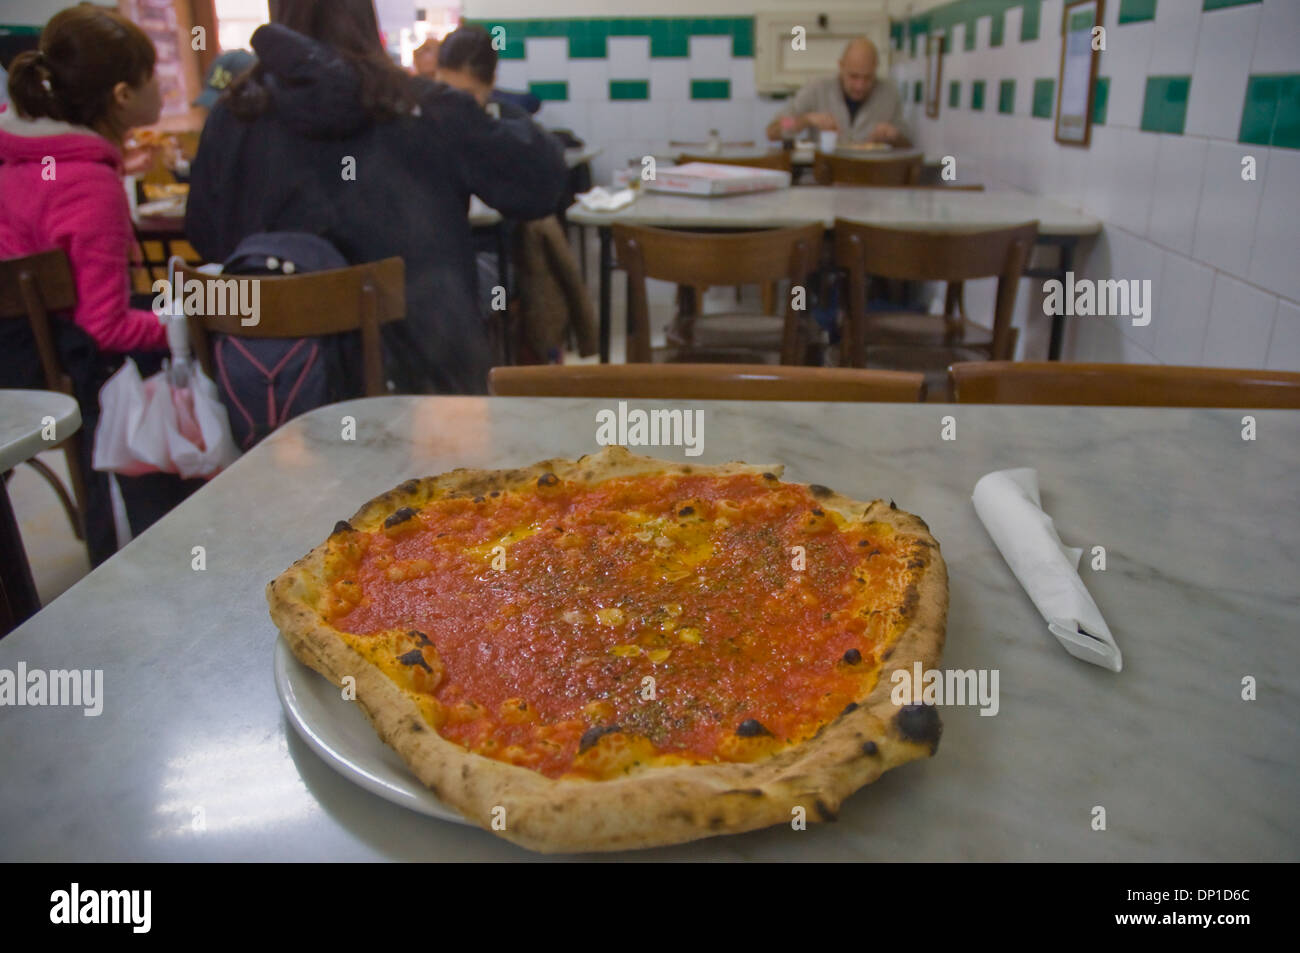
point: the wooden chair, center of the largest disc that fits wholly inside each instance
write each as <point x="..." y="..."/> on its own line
<point x="31" y="288"/>
<point x="829" y="169"/>
<point x="1122" y="385"/>
<point x="707" y="382"/>
<point x="359" y="298"/>
<point x="698" y="261"/>
<point x="772" y="160"/>
<point x="925" y="342"/>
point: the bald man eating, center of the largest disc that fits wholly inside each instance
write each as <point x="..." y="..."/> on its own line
<point x="852" y="104"/>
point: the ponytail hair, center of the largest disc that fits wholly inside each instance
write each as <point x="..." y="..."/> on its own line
<point x="84" y="51"/>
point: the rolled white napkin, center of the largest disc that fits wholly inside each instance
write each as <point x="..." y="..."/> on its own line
<point x="600" y="199"/>
<point x="1008" y="504"/>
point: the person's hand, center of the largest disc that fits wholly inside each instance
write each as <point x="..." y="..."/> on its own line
<point x="822" y="121"/>
<point x="137" y="160"/>
<point x="883" y="132"/>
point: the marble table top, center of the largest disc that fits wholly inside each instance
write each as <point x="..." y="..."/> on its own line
<point x="21" y="426"/>
<point x="1201" y="531"/>
<point x="803" y="205"/>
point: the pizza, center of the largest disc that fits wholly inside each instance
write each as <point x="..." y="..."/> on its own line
<point x="619" y="652"/>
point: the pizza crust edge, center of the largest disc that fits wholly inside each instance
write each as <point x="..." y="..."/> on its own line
<point x="657" y="806"/>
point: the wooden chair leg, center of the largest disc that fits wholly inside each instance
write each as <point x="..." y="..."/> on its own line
<point x="69" y="508"/>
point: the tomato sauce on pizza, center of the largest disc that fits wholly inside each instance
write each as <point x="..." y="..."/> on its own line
<point x="588" y="630"/>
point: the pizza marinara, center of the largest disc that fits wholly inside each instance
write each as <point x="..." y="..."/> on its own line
<point x="619" y="652"/>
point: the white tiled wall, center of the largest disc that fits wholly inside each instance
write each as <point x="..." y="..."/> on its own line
<point x="1220" y="252"/>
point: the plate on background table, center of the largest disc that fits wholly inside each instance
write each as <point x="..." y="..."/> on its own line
<point x="340" y="734"/>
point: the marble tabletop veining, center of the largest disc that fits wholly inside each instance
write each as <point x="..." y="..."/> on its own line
<point x="1201" y="531"/>
<point x="806" y="204"/>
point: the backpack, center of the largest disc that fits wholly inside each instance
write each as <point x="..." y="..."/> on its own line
<point x="263" y="382"/>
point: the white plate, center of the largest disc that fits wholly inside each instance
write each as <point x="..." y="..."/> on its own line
<point x="338" y="731"/>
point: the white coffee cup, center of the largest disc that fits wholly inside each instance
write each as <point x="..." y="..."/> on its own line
<point x="829" y="139"/>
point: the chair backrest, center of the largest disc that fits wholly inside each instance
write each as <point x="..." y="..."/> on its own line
<point x="359" y="298"/>
<point x="1122" y="385"/>
<point x="707" y="382"/>
<point x="772" y="160"/>
<point x="701" y="261"/>
<point x="32" y="287"/>
<point x="830" y="169"/>
<point x="926" y="255"/>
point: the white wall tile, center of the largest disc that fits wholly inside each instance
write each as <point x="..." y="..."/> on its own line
<point x="1241" y="322"/>
<point x="1277" y="48"/>
<point x="1223" y="53"/>
<point x="512" y="74"/>
<point x="956" y="45"/>
<point x="547" y="57"/>
<point x="1274" y="260"/>
<point x="1284" y="346"/>
<point x="710" y="57"/>
<point x="1095" y="342"/>
<point x="1128" y="51"/>
<point x="589" y="80"/>
<point x="1011" y="28"/>
<point x="1173" y="48"/>
<point x="1225" y="220"/>
<point x="1123" y="182"/>
<point x="669" y="81"/>
<point x="1181" y="310"/>
<point x="1176" y="191"/>
<point x="742" y="82"/>
<point x="983" y="32"/>
<point x="1049" y="26"/>
<point x="629" y="57"/>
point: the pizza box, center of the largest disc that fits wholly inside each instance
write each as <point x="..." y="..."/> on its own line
<point x="709" y="178"/>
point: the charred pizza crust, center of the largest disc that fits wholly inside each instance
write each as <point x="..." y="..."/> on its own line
<point x="658" y="806"/>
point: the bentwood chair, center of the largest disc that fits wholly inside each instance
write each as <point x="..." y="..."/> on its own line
<point x="1122" y="385"/>
<point x="699" y="261"/>
<point x="358" y="298"/>
<point x="830" y="169"/>
<point x="909" y="341"/>
<point x="33" y="288"/>
<point x="707" y="382"/>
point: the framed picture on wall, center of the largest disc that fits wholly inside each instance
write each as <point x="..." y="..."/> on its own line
<point x="1078" y="78"/>
<point x="933" y="73"/>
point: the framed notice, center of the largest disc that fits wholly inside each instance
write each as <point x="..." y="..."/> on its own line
<point x="167" y="24"/>
<point x="1078" y="79"/>
<point x="933" y="73"/>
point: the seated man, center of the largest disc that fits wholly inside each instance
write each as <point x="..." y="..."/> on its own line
<point x="468" y="62"/>
<point x="852" y="104"/>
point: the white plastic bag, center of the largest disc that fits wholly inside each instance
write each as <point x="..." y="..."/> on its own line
<point x="149" y="426"/>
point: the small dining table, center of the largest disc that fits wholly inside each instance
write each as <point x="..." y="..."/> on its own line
<point x="193" y="757"/>
<point x="926" y="208"/>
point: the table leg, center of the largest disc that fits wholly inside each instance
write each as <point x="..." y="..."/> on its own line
<point x="18" y="598"/>
<point x="1058" y="320"/>
<point x="606" y="265"/>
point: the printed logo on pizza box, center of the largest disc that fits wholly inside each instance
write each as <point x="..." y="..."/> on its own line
<point x="651" y="428"/>
<point x="73" y="688"/>
<point x="950" y="687"/>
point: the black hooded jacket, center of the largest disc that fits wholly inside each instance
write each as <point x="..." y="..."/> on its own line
<point x="288" y="170"/>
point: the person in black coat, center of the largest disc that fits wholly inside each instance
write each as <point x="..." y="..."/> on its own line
<point x="326" y="135"/>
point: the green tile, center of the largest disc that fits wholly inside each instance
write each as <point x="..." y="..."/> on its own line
<point x="1286" y="127"/>
<point x="1100" y="100"/>
<point x="589" y="44"/>
<point x="1029" y="20"/>
<point x="553" y="92"/>
<point x="669" y="38"/>
<point x="1044" y="98"/>
<point x="977" y="95"/>
<point x="546" y="27"/>
<point x="1164" y="107"/>
<point x="710" y="89"/>
<point x="918" y="91"/>
<point x="1136" y="11"/>
<point x="1221" y="4"/>
<point x="1081" y="21"/>
<point x="1007" y="96"/>
<point x="968" y="36"/>
<point x="954" y="94"/>
<point x="629" y="89"/>
<point x="896" y="35"/>
<point x="514" y="48"/>
<point x="742" y="36"/>
<point x="998" y="29"/>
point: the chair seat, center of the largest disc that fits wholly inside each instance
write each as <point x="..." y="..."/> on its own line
<point x="929" y="330"/>
<point x="732" y="330"/>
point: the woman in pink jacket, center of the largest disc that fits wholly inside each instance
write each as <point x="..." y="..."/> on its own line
<point x="72" y="101"/>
